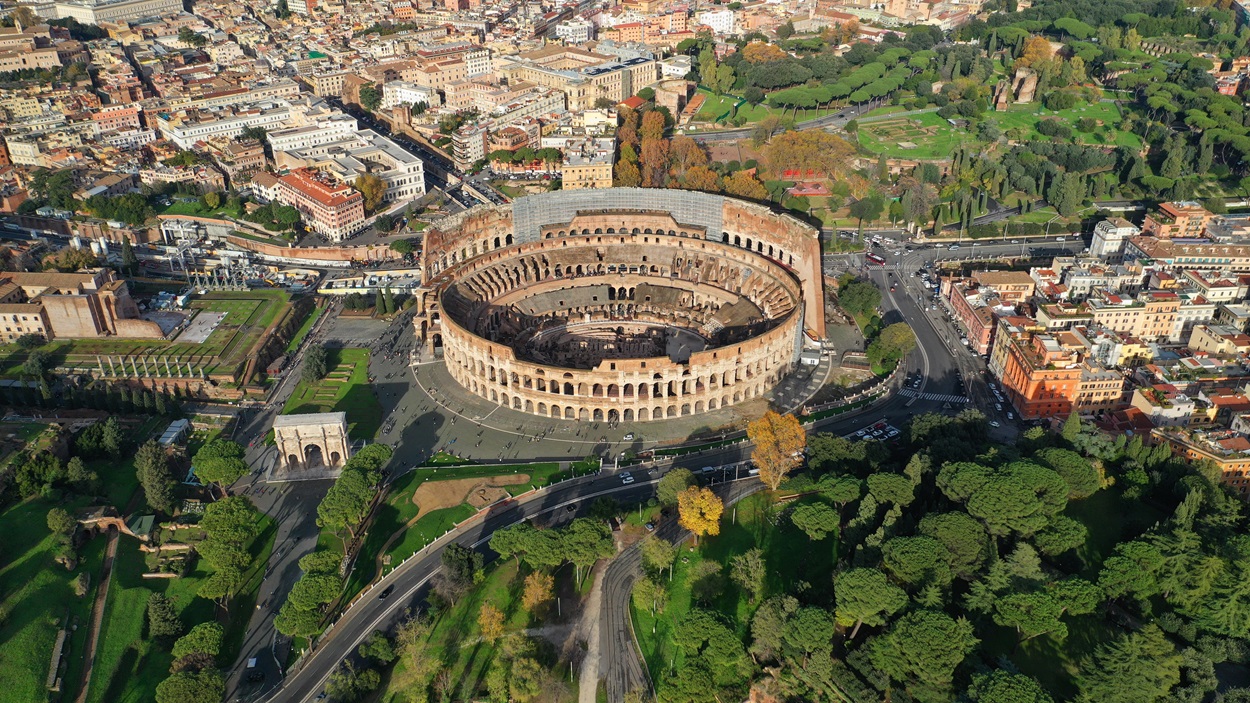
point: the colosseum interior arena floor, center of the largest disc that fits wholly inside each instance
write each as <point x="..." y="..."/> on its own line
<point x="570" y="307"/>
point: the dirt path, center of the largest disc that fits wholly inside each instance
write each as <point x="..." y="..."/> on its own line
<point x="588" y="631"/>
<point x="97" y="615"/>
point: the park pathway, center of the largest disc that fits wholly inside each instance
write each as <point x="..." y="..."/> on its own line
<point x="97" y="615"/>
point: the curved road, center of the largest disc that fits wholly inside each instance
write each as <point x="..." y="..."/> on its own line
<point x="837" y="119"/>
<point x="937" y="361"/>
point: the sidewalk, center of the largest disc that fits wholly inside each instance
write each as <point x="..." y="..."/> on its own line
<point x="97" y="616"/>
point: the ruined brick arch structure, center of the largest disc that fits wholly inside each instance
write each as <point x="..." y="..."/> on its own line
<point x="539" y="308"/>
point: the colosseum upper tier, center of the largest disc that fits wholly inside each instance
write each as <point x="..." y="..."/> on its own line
<point x="624" y="304"/>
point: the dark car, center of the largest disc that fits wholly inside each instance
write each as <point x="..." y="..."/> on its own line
<point x="387" y="592"/>
<point x="256" y="676"/>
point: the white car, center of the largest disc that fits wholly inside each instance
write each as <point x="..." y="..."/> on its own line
<point x="627" y="478"/>
<point x="995" y="423"/>
<point x="998" y="406"/>
<point x="629" y="437"/>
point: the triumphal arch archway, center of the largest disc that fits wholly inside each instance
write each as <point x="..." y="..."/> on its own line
<point x="311" y="442"/>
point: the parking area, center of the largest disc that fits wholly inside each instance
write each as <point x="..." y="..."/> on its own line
<point x="881" y="431"/>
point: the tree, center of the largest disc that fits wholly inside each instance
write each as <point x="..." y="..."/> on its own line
<point x="865" y="596"/>
<point x="204" y="686"/>
<point x="859" y="298"/>
<point x="347" y="684"/>
<point x="1137" y="667"/>
<point x="702" y="178"/>
<point x="129" y="260"/>
<point x="1000" y="686"/>
<point x="699" y="510"/>
<point x="923" y="648"/>
<point x="188" y="36"/>
<point x="686" y="153"/>
<point x="654" y="163"/>
<point x="539" y="589"/>
<point x="626" y="174"/>
<point x="384" y="223"/>
<point x="658" y="554"/>
<point x="672" y="483"/>
<point x="204" y="638"/>
<point x="650" y="595"/>
<point x="490" y="622"/>
<point x="586" y="541"/>
<point x="221" y="462"/>
<point x="748" y="571"/>
<point x="652" y="125"/>
<point x="373" y="188"/>
<point x="26" y="17"/>
<point x="779" y="441"/>
<point x="868" y="208"/>
<point x="816" y="520"/>
<point x="461" y="563"/>
<point x="965" y="540"/>
<point x="1082" y="478"/>
<point x="891" y="488"/>
<point x="917" y="561"/>
<point x="892" y="344"/>
<point x="786" y="30"/>
<point x="314" y="364"/>
<point x="742" y="184"/>
<point x="152" y="468"/>
<point x="809" y="151"/>
<point x="370" y="97"/>
<point x="378" y="647"/>
<point x="808" y="631"/>
<point x="62" y="525"/>
<point x="403" y="246"/>
<point x="163" y="622"/>
<point x="1063" y="533"/>
<point x="294" y="622"/>
<point x="1031" y="614"/>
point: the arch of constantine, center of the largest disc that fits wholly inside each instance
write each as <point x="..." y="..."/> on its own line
<point x="311" y="441"/>
<point x="621" y="304"/>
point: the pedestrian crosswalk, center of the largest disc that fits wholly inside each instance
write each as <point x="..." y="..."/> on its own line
<point x="938" y="397"/>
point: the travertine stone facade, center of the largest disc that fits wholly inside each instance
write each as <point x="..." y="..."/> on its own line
<point x="311" y="441"/>
<point x="741" y="287"/>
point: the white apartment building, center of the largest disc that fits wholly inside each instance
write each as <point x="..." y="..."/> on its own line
<point x="96" y="11"/>
<point x="185" y="131"/>
<point x="478" y="62"/>
<point x="1109" y="237"/>
<point x="327" y="128"/>
<point x="720" y="21"/>
<point x="399" y="92"/>
<point x="129" y="139"/>
<point x="364" y="151"/>
<point x="575" y="31"/>
<point x="675" y="66"/>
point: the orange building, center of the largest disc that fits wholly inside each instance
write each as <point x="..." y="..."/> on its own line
<point x="333" y="210"/>
<point x="1226" y="449"/>
<point x="1040" y="375"/>
<point x="1184" y="219"/>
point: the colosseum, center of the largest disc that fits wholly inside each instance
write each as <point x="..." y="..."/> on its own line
<point x="625" y="304"/>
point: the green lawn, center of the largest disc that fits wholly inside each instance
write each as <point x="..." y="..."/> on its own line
<point x="717" y="107"/>
<point x="248" y="314"/>
<point x="128" y="665"/>
<point x="456" y="636"/>
<point x="345" y="388"/>
<point x="752" y="526"/>
<point x="929" y="136"/>
<point x="36" y="598"/>
<point x="430" y="527"/>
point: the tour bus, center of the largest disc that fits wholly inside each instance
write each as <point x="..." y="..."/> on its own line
<point x="873" y="258"/>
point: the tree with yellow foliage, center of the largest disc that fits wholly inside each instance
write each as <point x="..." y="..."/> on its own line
<point x="652" y="125"/>
<point x="373" y="188"/>
<point x="538" y="590"/>
<point x="809" y="150"/>
<point x="702" y="178"/>
<point x="490" y="622"/>
<point x="699" y="510"/>
<point x="1036" y="50"/>
<point x="743" y="185"/>
<point x="762" y="52"/>
<point x="779" y="441"/>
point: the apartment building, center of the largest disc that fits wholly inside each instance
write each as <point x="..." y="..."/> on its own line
<point x="333" y="210"/>
<point x="1151" y="315"/>
<point x="97" y="11"/>
<point x="1040" y="373"/>
<point x="397" y="92"/>
<point x="1219" y="340"/>
<point x="324" y="129"/>
<point x="584" y="76"/>
<point x="1177" y="220"/>
<point x="588" y="165"/>
<point x="1226" y="449"/>
<point x="1110" y="236"/>
<point x="364" y="152"/>
<point x="1226" y="258"/>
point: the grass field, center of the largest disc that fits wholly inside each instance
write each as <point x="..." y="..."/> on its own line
<point x="37" y="596"/>
<point x="715" y="107"/>
<point x="128" y="665"/>
<point x="456" y="637"/>
<point x="929" y="136"/>
<point x="344" y="389"/>
<point x="755" y="524"/>
<point x="248" y="314"/>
